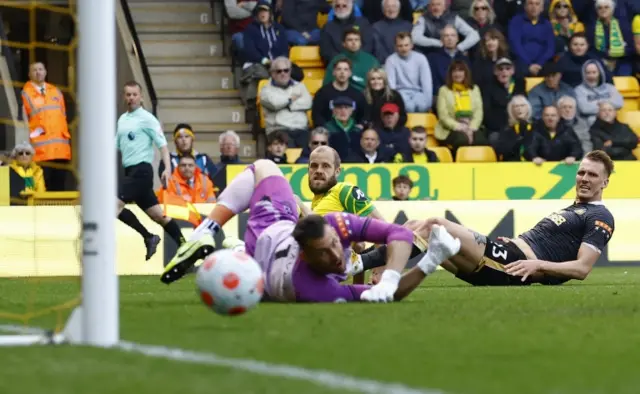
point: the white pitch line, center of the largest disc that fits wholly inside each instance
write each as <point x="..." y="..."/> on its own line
<point x="323" y="378"/>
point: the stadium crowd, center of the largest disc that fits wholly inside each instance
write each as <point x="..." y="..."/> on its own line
<point x="368" y="68"/>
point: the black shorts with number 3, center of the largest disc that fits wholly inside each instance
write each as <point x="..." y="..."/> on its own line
<point x="490" y="271"/>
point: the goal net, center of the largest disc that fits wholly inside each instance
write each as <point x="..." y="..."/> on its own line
<point x="57" y="249"/>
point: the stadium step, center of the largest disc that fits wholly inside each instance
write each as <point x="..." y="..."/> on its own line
<point x="191" y="77"/>
<point x="187" y="61"/>
<point x="196" y="94"/>
<point x="216" y="114"/>
<point x="187" y="48"/>
<point x="195" y="13"/>
<point x="179" y="28"/>
<point x="208" y="134"/>
<point x="203" y="102"/>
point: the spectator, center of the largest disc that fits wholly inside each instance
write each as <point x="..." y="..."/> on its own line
<point x="378" y="93"/>
<point x="493" y="46"/>
<point x="361" y="62"/>
<point x="402" y="186"/>
<point x="553" y="143"/>
<point x="357" y="10"/>
<point x="567" y="109"/>
<point x="183" y="138"/>
<point x="318" y="137"/>
<point x="593" y="90"/>
<point x="322" y="107"/>
<point x="332" y="34"/>
<point x="611" y="136"/>
<point x="369" y="151"/>
<point x="344" y="133"/>
<point x="240" y="15"/>
<point x="512" y="143"/>
<point x="30" y="175"/>
<point x="409" y="73"/>
<point x="427" y="31"/>
<point x="547" y="93"/>
<point x="611" y="38"/>
<point x="497" y="95"/>
<point x="587" y="10"/>
<point x="300" y="19"/>
<point x="277" y="147"/>
<point x="418" y="152"/>
<point x="482" y="17"/>
<point x="570" y="63"/>
<point x="189" y="183"/>
<point x="393" y="135"/>
<point x="441" y="59"/>
<point x="285" y="104"/>
<point x="507" y="9"/>
<point x="386" y="29"/>
<point x="531" y="37"/>
<point x="229" y="143"/>
<point x="264" y="40"/>
<point x="44" y="109"/>
<point x="459" y="109"/>
<point x="375" y="11"/>
<point x="565" y="23"/>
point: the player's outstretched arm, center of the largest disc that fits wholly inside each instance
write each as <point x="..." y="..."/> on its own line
<point x="575" y="269"/>
<point x="304" y="210"/>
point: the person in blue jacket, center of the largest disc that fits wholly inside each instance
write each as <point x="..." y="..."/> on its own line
<point x="264" y="38"/>
<point x="531" y="37"/>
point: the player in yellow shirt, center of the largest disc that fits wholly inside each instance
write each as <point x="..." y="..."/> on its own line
<point x="329" y="195"/>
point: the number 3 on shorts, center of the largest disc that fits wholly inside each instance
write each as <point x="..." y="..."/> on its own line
<point x="499" y="253"/>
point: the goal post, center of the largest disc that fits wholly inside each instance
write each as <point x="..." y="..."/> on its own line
<point x="99" y="312"/>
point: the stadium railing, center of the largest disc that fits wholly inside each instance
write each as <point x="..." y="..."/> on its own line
<point x="140" y="55"/>
<point x="51" y="198"/>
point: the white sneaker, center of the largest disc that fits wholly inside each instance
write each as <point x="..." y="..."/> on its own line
<point x="442" y="246"/>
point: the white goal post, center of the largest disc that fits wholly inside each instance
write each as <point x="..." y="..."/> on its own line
<point x="96" y="321"/>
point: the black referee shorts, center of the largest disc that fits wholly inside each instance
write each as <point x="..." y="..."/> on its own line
<point x="136" y="186"/>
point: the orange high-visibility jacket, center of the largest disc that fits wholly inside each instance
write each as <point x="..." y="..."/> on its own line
<point x="47" y="115"/>
<point x="200" y="190"/>
<point x="177" y="208"/>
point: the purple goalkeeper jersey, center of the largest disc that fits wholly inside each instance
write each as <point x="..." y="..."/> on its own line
<point x="290" y="279"/>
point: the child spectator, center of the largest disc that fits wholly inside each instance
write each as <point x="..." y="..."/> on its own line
<point x="402" y="186"/>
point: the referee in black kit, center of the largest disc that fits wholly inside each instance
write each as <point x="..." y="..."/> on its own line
<point x="138" y="131"/>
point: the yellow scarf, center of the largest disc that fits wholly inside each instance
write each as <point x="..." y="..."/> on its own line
<point x="463" y="104"/>
<point x="616" y="40"/>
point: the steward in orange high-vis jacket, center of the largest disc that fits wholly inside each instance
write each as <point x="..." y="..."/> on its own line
<point x="189" y="183"/>
<point x="45" y="111"/>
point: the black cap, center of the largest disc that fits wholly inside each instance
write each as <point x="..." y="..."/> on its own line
<point x="549" y="69"/>
<point x="503" y="61"/>
<point x="342" y="101"/>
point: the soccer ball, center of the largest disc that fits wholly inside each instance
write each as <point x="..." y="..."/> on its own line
<point x="229" y="282"/>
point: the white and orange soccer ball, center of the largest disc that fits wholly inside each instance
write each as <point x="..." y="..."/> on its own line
<point x="230" y="282"/>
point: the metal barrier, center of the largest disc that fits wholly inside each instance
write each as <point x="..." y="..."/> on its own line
<point x="51" y="198"/>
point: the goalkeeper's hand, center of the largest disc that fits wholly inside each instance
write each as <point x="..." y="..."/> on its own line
<point x="384" y="290"/>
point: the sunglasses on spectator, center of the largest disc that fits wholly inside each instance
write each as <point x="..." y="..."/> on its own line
<point x="481" y="8"/>
<point x="340" y="6"/>
<point x="562" y="5"/>
<point x="319" y="143"/>
<point x="282" y="70"/>
<point x="23" y="153"/>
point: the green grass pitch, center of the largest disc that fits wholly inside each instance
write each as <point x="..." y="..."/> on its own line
<point x="579" y="338"/>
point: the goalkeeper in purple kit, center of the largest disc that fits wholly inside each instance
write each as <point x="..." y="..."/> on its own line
<point x="305" y="260"/>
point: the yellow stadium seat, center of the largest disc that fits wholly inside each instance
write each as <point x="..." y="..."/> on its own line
<point x="627" y="86"/>
<point x="314" y="73"/>
<point x="632" y="118"/>
<point x="293" y="154"/>
<point x="309" y="118"/>
<point x="313" y="85"/>
<point x="630" y="104"/>
<point x="416" y="16"/>
<point x="475" y="154"/>
<point x="428" y="121"/>
<point x="306" y="56"/>
<point x="322" y="19"/>
<point x="532" y="82"/>
<point x="443" y="153"/>
<point x="636" y="152"/>
<point x="432" y="141"/>
<point x="261" y="84"/>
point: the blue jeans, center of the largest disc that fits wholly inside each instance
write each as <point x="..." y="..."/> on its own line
<point x="296" y="38"/>
<point x="237" y="42"/>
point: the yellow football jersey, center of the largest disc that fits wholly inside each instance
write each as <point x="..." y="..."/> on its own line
<point x="342" y="198"/>
<point x="636" y="25"/>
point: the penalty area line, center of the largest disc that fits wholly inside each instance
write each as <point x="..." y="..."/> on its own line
<point x="319" y="377"/>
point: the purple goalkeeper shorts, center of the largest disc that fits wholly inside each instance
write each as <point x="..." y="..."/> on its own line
<point x="272" y="202"/>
